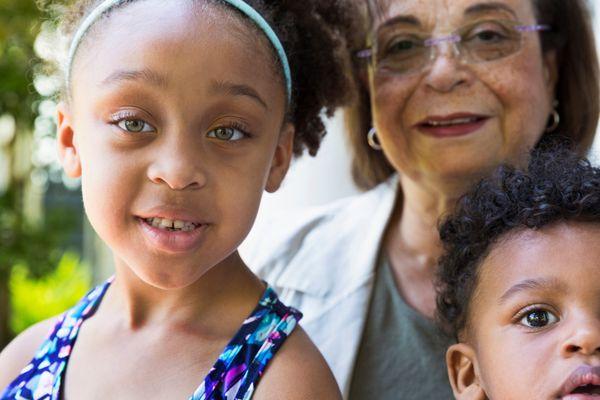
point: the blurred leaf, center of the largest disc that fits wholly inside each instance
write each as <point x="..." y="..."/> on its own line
<point x="34" y="300"/>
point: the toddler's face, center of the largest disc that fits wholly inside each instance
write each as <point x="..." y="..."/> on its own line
<point x="176" y="127"/>
<point x="534" y="323"/>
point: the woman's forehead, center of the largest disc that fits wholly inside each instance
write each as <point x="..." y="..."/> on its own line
<point x="435" y="13"/>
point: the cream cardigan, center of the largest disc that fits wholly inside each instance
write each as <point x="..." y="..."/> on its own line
<point x="323" y="262"/>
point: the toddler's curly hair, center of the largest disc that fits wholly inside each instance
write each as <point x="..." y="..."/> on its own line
<point x="557" y="186"/>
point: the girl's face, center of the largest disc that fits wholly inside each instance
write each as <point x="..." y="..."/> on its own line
<point x="176" y="126"/>
<point x="448" y="118"/>
<point x="534" y="325"/>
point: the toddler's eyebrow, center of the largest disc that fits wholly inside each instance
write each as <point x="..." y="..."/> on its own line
<point x="147" y="75"/>
<point x="238" y="89"/>
<point x="542" y="284"/>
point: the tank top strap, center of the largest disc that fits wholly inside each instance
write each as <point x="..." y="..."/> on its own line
<point x="41" y="378"/>
<point x="241" y="365"/>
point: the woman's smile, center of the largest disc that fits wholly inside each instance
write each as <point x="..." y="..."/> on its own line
<point x="452" y="125"/>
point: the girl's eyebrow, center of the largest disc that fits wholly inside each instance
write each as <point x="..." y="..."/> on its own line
<point x="541" y="284"/>
<point x="146" y="75"/>
<point x="238" y="89"/>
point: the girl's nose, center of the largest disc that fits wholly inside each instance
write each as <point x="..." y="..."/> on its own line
<point x="177" y="163"/>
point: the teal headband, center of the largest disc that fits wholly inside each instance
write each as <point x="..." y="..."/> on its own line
<point x="242" y="6"/>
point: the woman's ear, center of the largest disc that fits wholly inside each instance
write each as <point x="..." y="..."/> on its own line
<point x="464" y="377"/>
<point x="550" y="72"/>
<point x="281" y="159"/>
<point x="67" y="147"/>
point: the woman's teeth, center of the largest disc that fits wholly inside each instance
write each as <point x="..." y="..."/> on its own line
<point x="456" y="121"/>
<point x="169" y="224"/>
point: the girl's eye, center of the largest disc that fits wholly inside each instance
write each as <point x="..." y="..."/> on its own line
<point x="226" y="134"/>
<point x="538" y="318"/>
<point x="135" y="126"/>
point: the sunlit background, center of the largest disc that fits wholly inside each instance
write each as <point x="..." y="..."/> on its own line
<point x="46" y="246"/>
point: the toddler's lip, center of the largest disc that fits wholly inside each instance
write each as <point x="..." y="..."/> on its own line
<point x="583" y="383"/>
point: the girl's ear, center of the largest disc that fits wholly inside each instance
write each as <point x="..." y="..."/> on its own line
<point x="67" y="147"/>
<point x="463" y="373"/>
<point x="281" y="159"/>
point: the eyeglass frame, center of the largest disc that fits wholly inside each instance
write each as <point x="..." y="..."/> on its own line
<point x="453" y="38"/>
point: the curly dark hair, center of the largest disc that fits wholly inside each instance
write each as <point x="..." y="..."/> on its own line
<point x="558" y="185"/>
<point x="313" y="35"/>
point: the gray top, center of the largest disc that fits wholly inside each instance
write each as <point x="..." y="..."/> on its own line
<point x="402" y="353"/>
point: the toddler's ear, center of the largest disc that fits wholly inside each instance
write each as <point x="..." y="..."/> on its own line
<point x="281" y="159"/>
<point x="67" y="149"/>
<point x="462" y="371"/>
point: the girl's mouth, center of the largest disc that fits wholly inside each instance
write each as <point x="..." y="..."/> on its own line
<point x="171" y="225"/>
<point x="172" y="235"/>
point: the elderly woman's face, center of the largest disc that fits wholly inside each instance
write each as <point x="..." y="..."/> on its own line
<point x="458" y="111"/>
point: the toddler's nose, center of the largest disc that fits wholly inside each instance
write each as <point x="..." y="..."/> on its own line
<point x="585" y="339"/>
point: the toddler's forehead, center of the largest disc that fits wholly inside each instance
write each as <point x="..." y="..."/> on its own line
<point x="559" y="252"/>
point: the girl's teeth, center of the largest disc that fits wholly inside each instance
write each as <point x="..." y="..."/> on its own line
<point x="171" y="224"/>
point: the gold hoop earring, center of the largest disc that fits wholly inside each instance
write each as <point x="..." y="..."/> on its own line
<point x="555" y="120"/>
<point x="373" y="140"/>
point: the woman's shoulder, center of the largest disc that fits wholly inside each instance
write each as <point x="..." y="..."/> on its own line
<point x="22" y="350"/>
<point x="299" y="371"/>
<point x="281" y="236"/>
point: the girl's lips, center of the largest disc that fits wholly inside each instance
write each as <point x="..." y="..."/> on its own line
<point x="170" y="240"/>
<point x="582" y="384"/>
<point x="452" y="125"/>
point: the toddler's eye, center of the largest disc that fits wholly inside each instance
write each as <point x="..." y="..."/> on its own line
<point x="135" y="126"/>
<point x="538" y="318"/>
<point x="227" y="134"/>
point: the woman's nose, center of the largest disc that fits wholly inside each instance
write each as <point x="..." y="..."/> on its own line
<point x="177" y="163"/>
<point x="447" y="70"/>
<point x="585" y="339"/>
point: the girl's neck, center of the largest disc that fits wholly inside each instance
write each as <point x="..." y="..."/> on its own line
<point x="228" y="288"/>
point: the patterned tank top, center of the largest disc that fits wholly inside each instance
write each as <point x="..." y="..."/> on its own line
<point x="234" y="376"/>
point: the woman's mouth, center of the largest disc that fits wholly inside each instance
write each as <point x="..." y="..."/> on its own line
<point x="452" y="125"/>
<point x="582" y="384"/>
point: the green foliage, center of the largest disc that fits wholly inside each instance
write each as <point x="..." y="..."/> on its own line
<point x="34" y="300"/>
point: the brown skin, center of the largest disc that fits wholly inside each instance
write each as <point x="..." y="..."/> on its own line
<point x="168" y="316"/>
<point x="515" y="92"/>
<point x="500" y="355"/>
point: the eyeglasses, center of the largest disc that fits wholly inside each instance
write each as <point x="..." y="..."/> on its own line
<point x="405" y="51"/>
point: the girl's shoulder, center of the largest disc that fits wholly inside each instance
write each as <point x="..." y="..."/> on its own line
<point x="298" y="372"/>
<point x="22" y="349"/>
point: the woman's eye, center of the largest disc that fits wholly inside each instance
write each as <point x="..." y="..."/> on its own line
<point x="489" y="36"/>
<point x="135" y="126"/>
<point x="227" y="134"/>
<point x="403" y="45"/>
<point x="489" y="32"/>
<point x="538" y="318"/>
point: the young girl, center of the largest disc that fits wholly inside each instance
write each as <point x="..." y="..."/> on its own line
<point x="520" y="283"/>
<point x="176" y="116"/>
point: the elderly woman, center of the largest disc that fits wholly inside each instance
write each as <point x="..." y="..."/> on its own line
<point x="451" y="89"/>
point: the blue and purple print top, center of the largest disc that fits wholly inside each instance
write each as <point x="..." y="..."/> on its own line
<point x="233" y="377"/>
